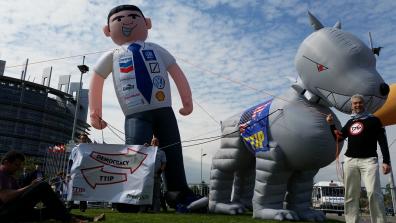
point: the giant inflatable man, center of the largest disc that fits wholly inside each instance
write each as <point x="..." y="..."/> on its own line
<point x="140" y="74"/>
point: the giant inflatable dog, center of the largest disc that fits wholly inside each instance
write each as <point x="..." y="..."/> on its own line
<point x="277" y="182"/>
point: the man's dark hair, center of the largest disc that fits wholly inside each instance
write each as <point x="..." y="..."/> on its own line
<point x="13" y="155"/>
<point x="123" y="8"/>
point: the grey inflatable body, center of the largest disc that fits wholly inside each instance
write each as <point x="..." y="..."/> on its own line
<point x="333" y="65"/>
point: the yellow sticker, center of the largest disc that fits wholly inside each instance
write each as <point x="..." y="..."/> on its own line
<point x="160" y="95"/>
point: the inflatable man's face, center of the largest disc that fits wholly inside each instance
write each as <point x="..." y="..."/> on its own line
<point x="127" y="25"/>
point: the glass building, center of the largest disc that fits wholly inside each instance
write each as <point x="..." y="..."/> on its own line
<point x="34" y="117"/>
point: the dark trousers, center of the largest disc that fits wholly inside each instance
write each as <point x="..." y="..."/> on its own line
<point x="83" y="205"/>
<point x="163" y="202"/>
<point x="156" y="205"/>
<point x="139" y="129"/>
<point x="22" y="208"/>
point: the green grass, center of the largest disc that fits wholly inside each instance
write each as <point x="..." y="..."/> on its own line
<point x="116" y="217"/>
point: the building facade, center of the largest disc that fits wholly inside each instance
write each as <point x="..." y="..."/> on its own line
<point x="35" y="117"/>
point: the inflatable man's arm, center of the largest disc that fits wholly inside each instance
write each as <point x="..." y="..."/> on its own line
<point x="183" y="87"/>
<point x="95" y="101"/>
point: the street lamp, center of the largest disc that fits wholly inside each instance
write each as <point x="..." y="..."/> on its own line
<point x="83" y="69"/>
<point x="342" y="171"/>
<point x="202" y="155"/>
<point x="392" y="187"/>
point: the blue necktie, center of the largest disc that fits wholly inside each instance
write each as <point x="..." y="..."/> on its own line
<point x="143" y="79"/>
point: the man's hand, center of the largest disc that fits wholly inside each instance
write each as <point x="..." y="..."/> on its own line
<point x="329" y="119"/>
<point x="338" y="133"/>
<point x="36" y="182"/>
<point x="386" y="168"/>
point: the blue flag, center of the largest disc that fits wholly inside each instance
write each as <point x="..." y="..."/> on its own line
<point x="255" y="135"/>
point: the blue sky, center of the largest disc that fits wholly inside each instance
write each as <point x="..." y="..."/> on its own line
<point x="234" y="53"/>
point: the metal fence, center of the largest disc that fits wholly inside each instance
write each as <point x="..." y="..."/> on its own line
<point x="328" y="199"/>
<point x="200" y="189"/>
<point x="56" y="159"/>
<point x="331" y="200"/>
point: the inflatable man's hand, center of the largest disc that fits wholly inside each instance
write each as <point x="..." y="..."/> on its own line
<point x="97" y="122"/>
<point x="187" y="109"/>
<point x="183" y="87"/>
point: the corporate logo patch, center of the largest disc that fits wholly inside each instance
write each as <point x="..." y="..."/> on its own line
<point x="159" y="82"/>
<point x="356" y="128"/>
<point x="128" y="87"/>
<point x="160" y="95"/>
<point x="149" y="55"/>
<point x="154" y="68"/>
<point x="126" y="64"/>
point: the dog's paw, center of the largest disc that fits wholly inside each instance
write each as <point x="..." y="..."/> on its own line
<point x="222" y="208"/>
<point x="275" y="214"/>
<point x="311" y="215"/>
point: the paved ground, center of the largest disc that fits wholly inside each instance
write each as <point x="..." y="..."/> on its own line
<point x="364" y="218"/>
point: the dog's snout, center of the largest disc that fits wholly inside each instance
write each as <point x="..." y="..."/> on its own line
<point x="384" y="89"/>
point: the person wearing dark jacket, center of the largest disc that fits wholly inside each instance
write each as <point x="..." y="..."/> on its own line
<point x="17" y="204"/>
<point x="363" y="131"/>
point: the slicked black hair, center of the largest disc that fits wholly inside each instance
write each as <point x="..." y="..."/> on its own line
<point x="123" y="8"/>
<point x="13" y="155"/>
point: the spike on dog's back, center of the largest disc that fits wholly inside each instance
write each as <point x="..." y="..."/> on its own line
<point x="337" y="25"/>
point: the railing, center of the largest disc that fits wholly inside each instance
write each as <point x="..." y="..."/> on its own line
<point x="201" y="189"/>
<point x="331" y="200"/>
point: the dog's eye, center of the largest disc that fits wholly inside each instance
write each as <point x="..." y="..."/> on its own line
<point x="319" y="66"/>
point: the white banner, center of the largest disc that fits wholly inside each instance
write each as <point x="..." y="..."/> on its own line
<point x="112" y="173"/>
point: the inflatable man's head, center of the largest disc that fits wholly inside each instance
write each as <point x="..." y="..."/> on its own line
<point x="126" y="23"/>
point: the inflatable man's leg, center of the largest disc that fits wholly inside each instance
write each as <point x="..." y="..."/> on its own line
<point x="166" y="130"/>
<point x="139" y="129"/>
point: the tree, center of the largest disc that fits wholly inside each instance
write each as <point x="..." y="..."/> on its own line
<point x="388" y="196"/>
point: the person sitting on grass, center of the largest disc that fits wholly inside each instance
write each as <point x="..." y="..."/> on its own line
<point x="18" y="204"/>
